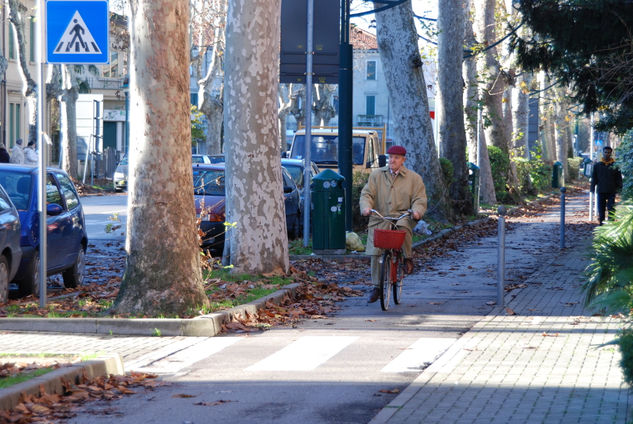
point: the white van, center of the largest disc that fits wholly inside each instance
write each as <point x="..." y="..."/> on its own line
<point x="367" y="147"/>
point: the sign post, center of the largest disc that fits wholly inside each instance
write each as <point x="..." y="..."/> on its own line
<point x="72" y="32"/>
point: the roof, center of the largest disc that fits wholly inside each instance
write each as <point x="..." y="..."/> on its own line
<point x="362" y="40"/>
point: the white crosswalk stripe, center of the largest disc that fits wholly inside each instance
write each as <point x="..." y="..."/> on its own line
<point x="306" y="354"/>
<point x="417" y="356"/>
<point x="157" y="362"/>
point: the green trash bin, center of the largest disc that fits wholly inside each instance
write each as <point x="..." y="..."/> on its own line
<point x="473" y="185"/>
<point x="557" y="175"/>
<point x="328" y="213"/>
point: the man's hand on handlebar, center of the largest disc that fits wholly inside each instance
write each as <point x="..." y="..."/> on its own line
<point x="415" y="215"/>
<point x="366" y="212"/>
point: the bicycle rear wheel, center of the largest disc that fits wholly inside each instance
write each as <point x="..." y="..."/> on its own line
<point x="385" y="280"/>
<point x="399" y="277"/>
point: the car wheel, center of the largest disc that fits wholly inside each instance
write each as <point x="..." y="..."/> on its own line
<point x="29" y="283"/>
<point x="4" y="279"/>
<point x="75" y="275"/>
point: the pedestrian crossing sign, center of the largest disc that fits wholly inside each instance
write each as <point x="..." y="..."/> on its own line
<point x="77" y="32"/>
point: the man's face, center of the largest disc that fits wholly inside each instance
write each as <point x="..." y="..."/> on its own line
<point x="607" y="153"/>
<point x="395" y="162"/>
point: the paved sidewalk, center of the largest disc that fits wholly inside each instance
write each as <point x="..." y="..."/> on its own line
<point x="549" y="363"/>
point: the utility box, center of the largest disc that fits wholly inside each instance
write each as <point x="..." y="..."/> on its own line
<point x="473" y="185"/>
<point x="328" y="213"/>
<point x="557" y="175"/>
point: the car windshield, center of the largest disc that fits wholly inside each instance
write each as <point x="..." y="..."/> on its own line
<point x="325" y="149"/>
<point x="18" y="187"/>
<point x="296" y="172"/>
<point x="209" y="182"/>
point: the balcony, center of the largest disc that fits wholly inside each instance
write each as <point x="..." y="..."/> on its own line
<point x="369" y="120"/>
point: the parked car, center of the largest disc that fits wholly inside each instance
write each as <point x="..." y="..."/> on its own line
<point x="200" y="159"/>
<point x="66" y="230"/>
<point x="119" y="178"/>
<point x="295" y="168"/>
<point x="10" y="250"/>
<point x="209" y="194"/>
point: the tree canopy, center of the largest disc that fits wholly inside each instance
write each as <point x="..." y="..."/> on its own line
<point x="588" y="45"/>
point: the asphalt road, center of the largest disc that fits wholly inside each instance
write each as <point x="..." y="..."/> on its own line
<point x="106" y="216"/>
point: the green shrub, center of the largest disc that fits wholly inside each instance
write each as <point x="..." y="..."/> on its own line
<point x="499" y="164"/>
<point x="573" y="168"/>
<point x="534" y="175"/>
<point x="624" y="160"/>
<point x="359" y="179"/>
<point x="626" y="349"/>
<point x="610" y="272"/>
<point x="447" y="170"/>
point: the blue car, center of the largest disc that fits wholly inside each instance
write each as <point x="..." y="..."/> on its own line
<point x="209" y="194"/>
<point x="66" y="233"/>
<point x="10" y="251"/>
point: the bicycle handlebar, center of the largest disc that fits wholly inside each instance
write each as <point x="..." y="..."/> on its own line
<point x="388" y="218"/>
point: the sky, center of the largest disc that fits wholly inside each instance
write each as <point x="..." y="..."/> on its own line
<point x="427" y="8"/>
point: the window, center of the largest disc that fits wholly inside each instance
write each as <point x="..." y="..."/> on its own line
<point x="32" y="39"/>
<point x="52" y="192"/>
<point x="11" y="43"/>
<point x="11" y="123"/>
<point x="4" y="202"/>
<point x="370" y="105"/>
<point x="14" y="123"/>
<point x="68" y="190"/>
<point x="371" y="70"/>
<point x="194" y="99"/>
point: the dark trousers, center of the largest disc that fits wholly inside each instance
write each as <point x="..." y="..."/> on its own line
<point x="605" y="201"/>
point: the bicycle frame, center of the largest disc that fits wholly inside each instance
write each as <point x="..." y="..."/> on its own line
<point x="391" y="267"/>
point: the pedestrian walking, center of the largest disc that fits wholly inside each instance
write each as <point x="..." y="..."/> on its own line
<point x="607" y="177"/>
<point x="17" y="152"/>
<point x="4" y="155"/>
<point x="392" y="190"/>
<point x="30" y="154"/>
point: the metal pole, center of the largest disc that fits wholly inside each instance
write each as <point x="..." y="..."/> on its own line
<point x="478" y="159"/>
<point x="501" y="256"/>
<point x="591" y="196"/>
<point x="41" y="175"/>
<point x="345" y="118"/>
<point x="308" y="120"/>
<point x="562" y="217"/>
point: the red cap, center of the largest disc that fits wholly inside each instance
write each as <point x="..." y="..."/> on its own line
<point x="397" y="150"/>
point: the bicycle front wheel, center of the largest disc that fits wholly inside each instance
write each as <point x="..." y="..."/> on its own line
<point x="385" y="280"/>
<point x="398" y="273"/>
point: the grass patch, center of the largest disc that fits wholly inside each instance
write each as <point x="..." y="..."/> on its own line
<point x="24" y="376"/>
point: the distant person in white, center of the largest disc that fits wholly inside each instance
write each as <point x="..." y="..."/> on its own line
<point x="30" y="154"/>
<point x="17" y="152"/>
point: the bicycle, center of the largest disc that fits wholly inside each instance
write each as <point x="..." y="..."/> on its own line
<point x="392" y="265"/>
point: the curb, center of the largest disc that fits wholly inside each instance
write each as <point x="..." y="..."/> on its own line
<point x="205" y="325"/>
<point x="52" y="381"/>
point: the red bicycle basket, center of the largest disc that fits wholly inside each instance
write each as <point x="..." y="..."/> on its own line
<point x="388" y="239"/>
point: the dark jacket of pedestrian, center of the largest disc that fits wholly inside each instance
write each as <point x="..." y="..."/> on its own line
<point x="4" y="155"/>
<point x="606" y="176"/>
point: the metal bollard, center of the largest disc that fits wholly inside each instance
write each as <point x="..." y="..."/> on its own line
<point x="562" y="217"/>
<point x="501" y="256"/>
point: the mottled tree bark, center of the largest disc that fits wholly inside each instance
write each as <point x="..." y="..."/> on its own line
<point x="162" y="274"/>
<point x="473" y="103"/>
<point x="258" y="242"/>
<point x="68" y="103"/>
<point x="452" y="135"/>
<point x="402" y="66"/>
<point x="211" y="87"/>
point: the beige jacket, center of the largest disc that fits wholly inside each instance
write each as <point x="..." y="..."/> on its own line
<point x="392" y="197"/>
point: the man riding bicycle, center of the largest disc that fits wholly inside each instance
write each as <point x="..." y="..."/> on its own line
<point x="392" y="190"/>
